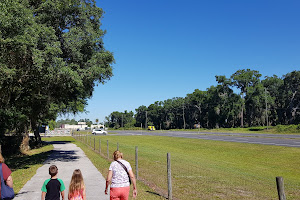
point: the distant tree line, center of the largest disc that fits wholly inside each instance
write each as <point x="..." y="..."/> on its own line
<point x="51" y="56"/>
<point x="258" y="102"/>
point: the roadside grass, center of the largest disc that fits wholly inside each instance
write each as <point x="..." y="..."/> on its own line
<point x="24" y="165"/>
<point x="260" y="130"/>
<point x="203" y="169"/>
<point x="102" y="164"/>
<point x="279" y="129"/>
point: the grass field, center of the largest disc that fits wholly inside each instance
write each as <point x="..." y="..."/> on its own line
<point x="203" y="169"/>
<point x="282" y="129"/>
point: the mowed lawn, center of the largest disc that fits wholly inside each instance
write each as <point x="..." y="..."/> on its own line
<point x="203" y="169"/>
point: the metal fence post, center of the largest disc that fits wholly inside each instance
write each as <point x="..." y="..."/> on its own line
<point x="280" y="188"/>
<point x="136" y="163"/>
<point x="118" y="146"/>
<point x="169" y="177"/>
<point x="94" y="144"/>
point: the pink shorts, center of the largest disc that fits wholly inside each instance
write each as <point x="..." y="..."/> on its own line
<point x="119" y="193"/>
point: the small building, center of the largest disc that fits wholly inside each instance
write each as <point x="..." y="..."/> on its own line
<point x="74" y="127"/>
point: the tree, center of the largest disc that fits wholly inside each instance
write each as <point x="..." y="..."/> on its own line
<point x="229" y="102"/>
<point x="155" y="114"/>
<point x="118" y="119"/>
<point x="273" y="89"/>
<point x="272" y="100"/>
<point x="291" y="97"/>
<point x="52" y="56"/>
<point x="140" y="116"/>
<point x="244" y="79"/>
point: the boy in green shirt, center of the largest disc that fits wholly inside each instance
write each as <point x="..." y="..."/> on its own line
<point x="53" y="187"/>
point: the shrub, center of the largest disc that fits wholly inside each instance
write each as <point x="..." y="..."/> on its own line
<point x="288" y="128"/>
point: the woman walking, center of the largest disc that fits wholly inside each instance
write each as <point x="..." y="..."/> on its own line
<point x="6" y="177"/>
<point x="120" y="176"/>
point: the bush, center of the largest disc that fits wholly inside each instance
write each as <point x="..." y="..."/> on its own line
<point x="10" y="145"/>
<point x="288" y="128"/>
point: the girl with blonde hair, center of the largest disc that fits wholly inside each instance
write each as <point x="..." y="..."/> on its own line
<point x="77" y="187"/>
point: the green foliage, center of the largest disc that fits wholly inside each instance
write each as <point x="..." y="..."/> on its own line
<point x="267" y="102"/>
<point x="52" y="124"/>
<point x="288" y="128"/>
<point x="51" y="57"/>
<point x="65" y="121"/>
<point x="120" y="120"/>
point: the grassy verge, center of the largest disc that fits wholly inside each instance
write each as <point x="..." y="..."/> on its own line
<point x="24" y="166"/>
<point x="203" y="169"/>
<point x="279" y="129"/>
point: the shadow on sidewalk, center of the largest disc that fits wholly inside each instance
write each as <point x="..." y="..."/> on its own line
<point x="57" y="142"/>
<point x="62" y="156"/>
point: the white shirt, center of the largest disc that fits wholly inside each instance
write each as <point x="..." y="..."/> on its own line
<point x="119" y="175"/>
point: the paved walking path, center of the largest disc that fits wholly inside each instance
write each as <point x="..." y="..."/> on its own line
<point x="67" y="157"/>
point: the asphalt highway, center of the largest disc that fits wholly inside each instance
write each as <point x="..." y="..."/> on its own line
<point x="264" y="139"/>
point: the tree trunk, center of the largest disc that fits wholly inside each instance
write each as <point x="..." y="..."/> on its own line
<point x="35" y="129"/>
<point x="25" y="143"/>
<point x="37" y="135"/>
<point x="242" y="112"/>
<point x="242" y="117"/>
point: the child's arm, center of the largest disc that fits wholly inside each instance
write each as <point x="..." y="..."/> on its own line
<point x="9" y="181"/>
<point x="83" y="193"/>
<point x="63" y="195"/>
<point x="43" y="195"/>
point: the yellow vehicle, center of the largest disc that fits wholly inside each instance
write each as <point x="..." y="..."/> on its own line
<point x="151" y="128"/>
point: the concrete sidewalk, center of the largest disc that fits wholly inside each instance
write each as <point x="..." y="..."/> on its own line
<point x="67" y="157"/>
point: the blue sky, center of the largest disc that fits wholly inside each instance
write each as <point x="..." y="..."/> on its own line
<point x="169" y="48"/>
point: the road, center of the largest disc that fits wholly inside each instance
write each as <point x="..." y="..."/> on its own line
<point x="264" y="139"/>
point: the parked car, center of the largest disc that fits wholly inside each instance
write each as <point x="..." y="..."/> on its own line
<point x="99" y="132"/>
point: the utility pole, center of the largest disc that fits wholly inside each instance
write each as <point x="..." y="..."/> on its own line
<point x="183" y="116"/>
<point x="242" y="112"/>
<point x="266" y="108"/>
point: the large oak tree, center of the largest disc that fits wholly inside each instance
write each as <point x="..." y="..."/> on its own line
<point x="52" y="55"/>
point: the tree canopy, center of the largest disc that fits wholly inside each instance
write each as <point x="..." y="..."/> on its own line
<point x="257" y="102"/>
<point x="52" y="55"/>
